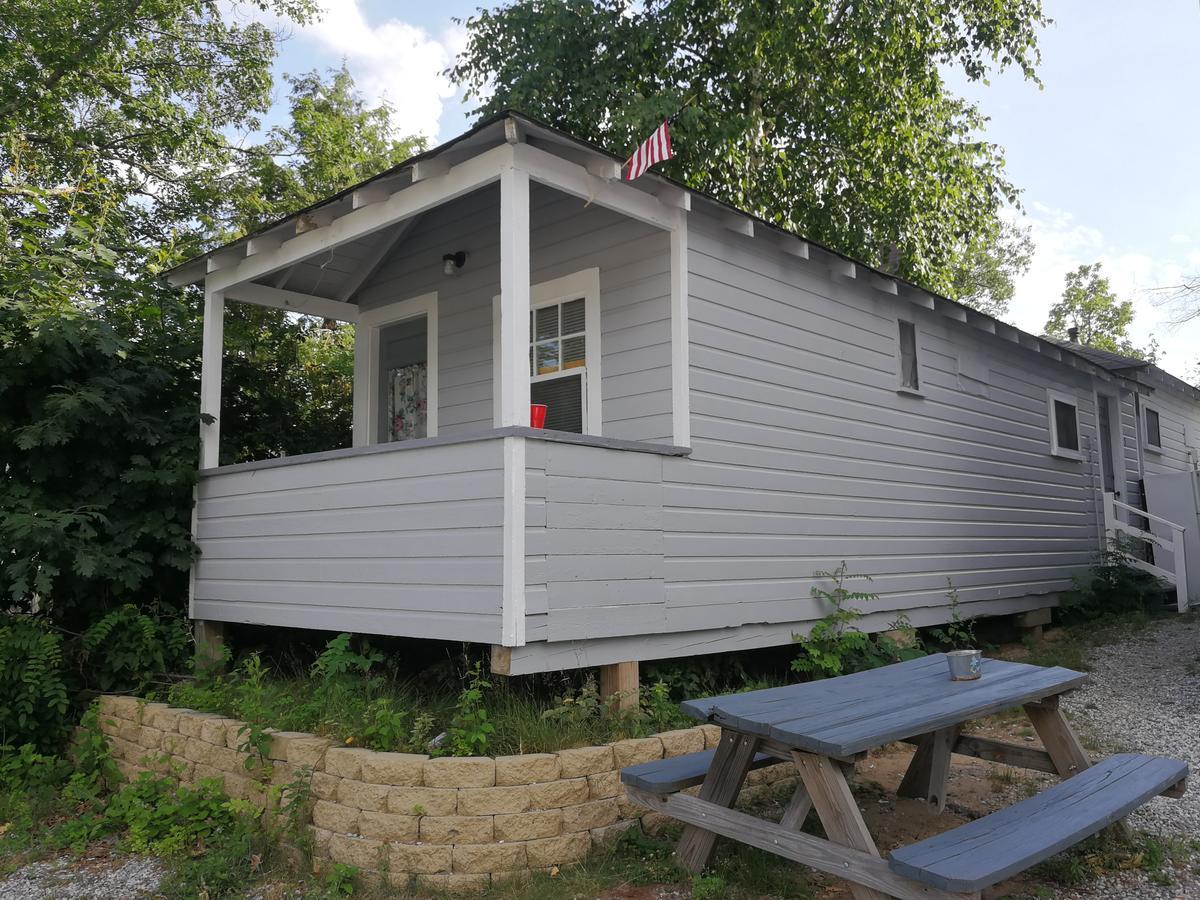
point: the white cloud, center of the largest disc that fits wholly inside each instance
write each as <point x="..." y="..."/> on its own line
<point x="1062" y="244"/>
<point x="392" y="61"/>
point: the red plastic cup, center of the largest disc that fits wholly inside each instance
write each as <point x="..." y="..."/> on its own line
<point x="537" y="415"/>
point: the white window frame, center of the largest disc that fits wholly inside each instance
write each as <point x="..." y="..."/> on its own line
<point x="1056" y="450"/>
<point x="366" y="363"/>
<point x="901" y="387"/>
<point x="586" y="284"/>
<point x="1149" y="447"/>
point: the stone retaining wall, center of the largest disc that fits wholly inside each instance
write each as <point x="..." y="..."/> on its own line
<point x="450" y="823"/>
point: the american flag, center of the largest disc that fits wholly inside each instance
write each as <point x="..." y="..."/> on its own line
<point x="653" y="150"/>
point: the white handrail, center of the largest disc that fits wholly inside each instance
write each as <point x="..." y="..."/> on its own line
<point x="1146" y="515"/>
<point x="1112" y="525"/>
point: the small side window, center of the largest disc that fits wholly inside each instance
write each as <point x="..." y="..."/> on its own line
<point x="910" y="378"/>
<point x="1153" y="429"/>
<point x="1064" y="425"/>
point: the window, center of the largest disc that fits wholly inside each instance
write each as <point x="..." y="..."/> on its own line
<point x="909" y="376"/>
<point x="564" y="351"/>
<point x="1064" y="425"/>
<point x="557" y="360"/>
<point x="1153" y="429"/>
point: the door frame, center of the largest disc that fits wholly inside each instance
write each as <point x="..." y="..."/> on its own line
<point x="1114" y="438"/>
<point x="366" y="362"/>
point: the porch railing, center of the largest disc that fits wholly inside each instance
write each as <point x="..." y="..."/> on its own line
<point x="1114" y="527"/>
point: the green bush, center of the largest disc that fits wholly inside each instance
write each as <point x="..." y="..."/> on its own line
<point x="125" y="648"/>
<point x="1113" y="587"/>
<point x="33" y="691"/>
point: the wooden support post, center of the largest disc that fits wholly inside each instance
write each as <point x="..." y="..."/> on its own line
<point x="840" y="815"/>
<point x="210" y="644"/>
<point x="621" y="680"/>
<point x="930" y="766"/>
<point x="1031" y="623"/>
<point x="721" y="786"/>
<point x="1067" y="753"/>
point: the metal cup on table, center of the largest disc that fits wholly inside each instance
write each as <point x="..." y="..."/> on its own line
<point x="964" y="664"/>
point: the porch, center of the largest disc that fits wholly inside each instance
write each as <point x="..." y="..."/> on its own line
<point x="501" y="271"/>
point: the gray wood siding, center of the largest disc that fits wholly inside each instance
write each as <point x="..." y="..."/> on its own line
<point x="804" y="454"/>
<point x="565" y="236"/>
<point x="594" y="543"/>
<point x="405" y="541"/>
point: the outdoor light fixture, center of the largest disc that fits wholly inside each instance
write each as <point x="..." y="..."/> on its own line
<point x="452" y="262"/>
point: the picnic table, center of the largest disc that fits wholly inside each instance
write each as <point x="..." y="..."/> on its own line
<point x="825" y="727"/>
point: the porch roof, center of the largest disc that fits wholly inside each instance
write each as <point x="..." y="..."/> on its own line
<point x="336" y="275"/>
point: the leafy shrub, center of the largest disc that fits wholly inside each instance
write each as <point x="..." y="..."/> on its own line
<point x="470" y="731"/>
<point x="125" y="648"/>
<point x="33" y="692"/>
<point x="959" y="632"/>
<point x="835" y="646"/>
<point x="1113" y="587"/>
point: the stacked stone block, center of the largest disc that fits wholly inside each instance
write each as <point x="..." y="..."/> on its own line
<point x="450" y="823"/>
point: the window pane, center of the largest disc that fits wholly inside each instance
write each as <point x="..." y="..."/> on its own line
<point x="1153" y="429"/>
<point x="574" y="352"/>
<point x="547" y="323"/>
<point x="1066" y="428"/>
<point x="546" y="357"/>
<point x="564" y="402"/>
<point x="908" y="356"/>
<point x="573" y="317"/>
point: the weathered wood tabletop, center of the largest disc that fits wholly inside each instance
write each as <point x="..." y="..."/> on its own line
<point x="847" y="715"/>
<point x="824" y="727"/>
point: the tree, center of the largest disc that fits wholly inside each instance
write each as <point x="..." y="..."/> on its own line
<point x="288" y="380"/>
<point x="1089" y="304"/>
<point x="334" y="140"/>
<point x="985" y="276"/>
<point x="830" y="118"/>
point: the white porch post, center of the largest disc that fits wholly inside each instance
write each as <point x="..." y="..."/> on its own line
<point x="514" y="392"/>
<point x="211" y="349"/>
<point x="681" y="405"/>
<point x="514" y="297"/>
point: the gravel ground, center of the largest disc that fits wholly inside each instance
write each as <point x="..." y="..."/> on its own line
<point x="1144" y="695"/>
<point x="72" y="879"/>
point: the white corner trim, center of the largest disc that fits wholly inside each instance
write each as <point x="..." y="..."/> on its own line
<point x="681" y="398"/>
<point x="1052" y="423"/>
<point x="366" y="362"/>
<point x="512" y="601"/>
<point x="586" y="284"/>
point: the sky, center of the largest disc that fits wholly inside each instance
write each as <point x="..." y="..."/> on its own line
<point x="1105" y="153"/>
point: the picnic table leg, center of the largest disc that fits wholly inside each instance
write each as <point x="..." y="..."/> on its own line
<point x="797" y="809"/>
<point x="930" y="766"/>
<point x="840" y="815"/>
<point x="1066" y="752"/>
<point x="1058" y="737"/>
<point x="721" y="785"/>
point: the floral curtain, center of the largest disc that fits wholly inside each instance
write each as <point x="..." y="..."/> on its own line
<point x="407" y="400"/>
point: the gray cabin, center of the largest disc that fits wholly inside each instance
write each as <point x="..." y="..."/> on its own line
<point x="731" y="410"/>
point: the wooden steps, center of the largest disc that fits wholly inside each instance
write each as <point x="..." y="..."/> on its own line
<point x="988" y="850"/>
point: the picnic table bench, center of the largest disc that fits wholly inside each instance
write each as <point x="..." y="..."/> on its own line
<point x="825" y="727"/>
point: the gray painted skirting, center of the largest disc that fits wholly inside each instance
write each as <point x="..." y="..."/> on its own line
<point x="558" y="437"/>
